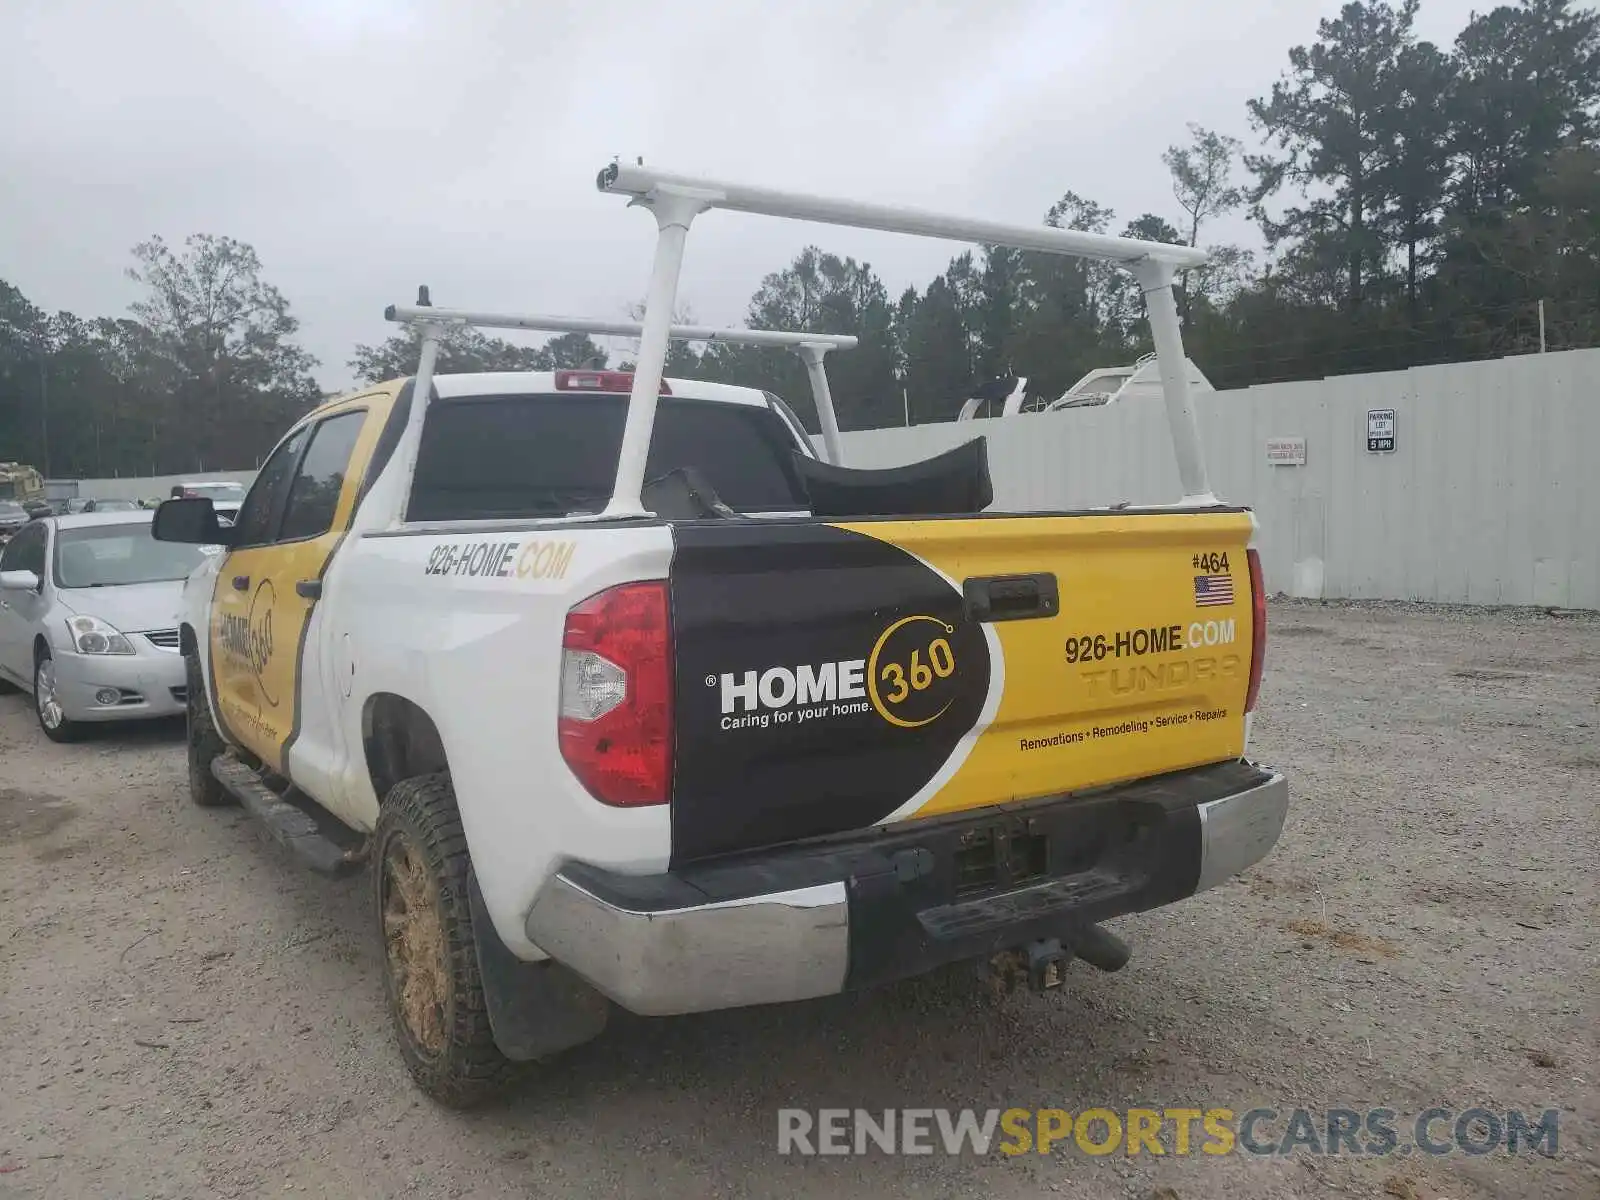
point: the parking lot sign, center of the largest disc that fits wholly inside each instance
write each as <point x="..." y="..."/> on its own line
<point x="1380" y="430"/>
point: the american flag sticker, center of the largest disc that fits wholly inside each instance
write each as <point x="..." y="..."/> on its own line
<point x="1212" y="590"/>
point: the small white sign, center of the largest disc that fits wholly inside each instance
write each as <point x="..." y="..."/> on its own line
<point x="1380" y="431"/>
<point x="1286" y="451"/>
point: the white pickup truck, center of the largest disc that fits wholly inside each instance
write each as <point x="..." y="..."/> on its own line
<point x="630" y="697"/>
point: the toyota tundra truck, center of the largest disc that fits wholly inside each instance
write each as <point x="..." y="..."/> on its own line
<point x="624" y="694"/>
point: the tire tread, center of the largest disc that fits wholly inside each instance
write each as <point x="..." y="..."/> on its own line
<point x="204" y="742"/>
<point x="471" y="1069"/>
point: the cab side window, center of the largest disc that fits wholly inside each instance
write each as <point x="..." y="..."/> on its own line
<point x="314" y="495"/>
<point x="25" y="552"/>
<point x="258" y="515"/>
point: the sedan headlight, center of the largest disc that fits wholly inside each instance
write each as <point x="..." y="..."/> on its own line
<point x="91" y="635"/>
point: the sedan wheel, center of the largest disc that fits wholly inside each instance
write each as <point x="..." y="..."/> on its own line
<point x="47" y="702"/>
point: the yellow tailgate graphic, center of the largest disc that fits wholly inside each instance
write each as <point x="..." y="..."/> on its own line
<point x="1143" y="670"/>
<point x="831" y="677"/>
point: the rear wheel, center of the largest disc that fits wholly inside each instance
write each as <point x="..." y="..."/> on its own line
<point x="205" y="743"/>
<point x="47" y="701"/>
<point x="435" y="993"/>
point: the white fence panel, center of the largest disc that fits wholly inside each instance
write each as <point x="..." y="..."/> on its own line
<point x="150" y="487"/>
<point x="1491" y="496"/>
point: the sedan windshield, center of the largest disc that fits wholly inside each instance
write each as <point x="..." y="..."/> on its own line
<point x="115" y="506"/>
<point x="10" y="510"/>
<point x="113" y="555"/>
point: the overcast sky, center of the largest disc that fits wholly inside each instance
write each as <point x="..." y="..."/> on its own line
<point x="364" y="146"/>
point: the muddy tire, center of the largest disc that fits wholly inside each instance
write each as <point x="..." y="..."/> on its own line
<point x="205" y="743"/>
<point x="420" y="870"/>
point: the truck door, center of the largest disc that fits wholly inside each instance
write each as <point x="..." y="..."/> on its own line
<point x="288" y="528"/>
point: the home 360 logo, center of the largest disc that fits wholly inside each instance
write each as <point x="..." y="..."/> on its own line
<point x="909" y="678"/>
<point x="910" y="670"/>
<point x="247" y="639"/>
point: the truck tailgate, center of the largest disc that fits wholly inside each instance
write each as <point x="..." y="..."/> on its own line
<point x="832" y="676"/>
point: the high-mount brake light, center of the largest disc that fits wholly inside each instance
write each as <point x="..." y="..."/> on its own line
<point x="615" y="724"/>
<point x="1258" y="628"/>
<point x="600" y="381"/>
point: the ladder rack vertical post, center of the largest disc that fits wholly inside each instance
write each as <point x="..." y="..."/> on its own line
<point x="675" y="210"/>
<point x="421" y="388"/>
<point x="812" y="354"/>
<point x="429" y="356"/>
<point x="1155" y="280"/>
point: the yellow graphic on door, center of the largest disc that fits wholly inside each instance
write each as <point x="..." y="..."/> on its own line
<point x="256" y="640"/>
<point x="263" y="599"/>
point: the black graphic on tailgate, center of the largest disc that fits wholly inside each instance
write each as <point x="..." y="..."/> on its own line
<point x="823" y="677"/>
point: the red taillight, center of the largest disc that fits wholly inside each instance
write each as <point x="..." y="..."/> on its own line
<point x="616" y="694"/>
<point x="599" y="381"/>
<point x="1258" y="628"/>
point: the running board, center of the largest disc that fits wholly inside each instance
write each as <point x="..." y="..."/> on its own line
<point x="321" y="844"/>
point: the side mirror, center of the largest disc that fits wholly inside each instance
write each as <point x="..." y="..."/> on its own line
<point x="191" y="519"/>
<point x="19" y="581"/>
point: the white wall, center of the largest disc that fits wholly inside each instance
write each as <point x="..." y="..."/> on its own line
<point x="153" y="486"/>
<point x="1491" y="497"/>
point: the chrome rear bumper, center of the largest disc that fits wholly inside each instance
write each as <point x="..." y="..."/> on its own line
<point x="766" y="949"/>
<point x="1237" y="831"/>
<point x="656" y="956"/>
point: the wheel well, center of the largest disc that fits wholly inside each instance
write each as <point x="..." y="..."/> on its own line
<point x="400" y="740"/>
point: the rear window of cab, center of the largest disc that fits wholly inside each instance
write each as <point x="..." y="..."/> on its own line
<point x="486" y="457"/>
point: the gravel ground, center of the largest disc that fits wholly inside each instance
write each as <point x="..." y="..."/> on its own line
<point x="186" y="1013"/>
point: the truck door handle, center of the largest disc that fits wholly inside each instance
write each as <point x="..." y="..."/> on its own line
<point x="309" y="589"/>
<point x="1011" y="597"/>
<point x="241" y="582"/>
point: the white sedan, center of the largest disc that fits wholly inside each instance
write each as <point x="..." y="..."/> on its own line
<point x="89" y="619"/>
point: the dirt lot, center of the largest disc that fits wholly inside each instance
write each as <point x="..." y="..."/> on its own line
<point x="186" y="1013"/>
